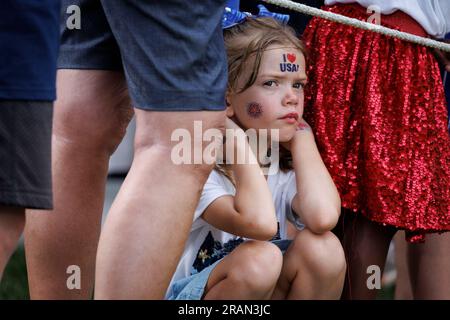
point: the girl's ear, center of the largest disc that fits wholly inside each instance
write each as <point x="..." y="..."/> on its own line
<point x="229" y="111"/>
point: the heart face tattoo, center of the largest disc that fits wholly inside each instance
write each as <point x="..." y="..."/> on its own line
<point x="254" y="110"/>
<point x="287" y="64"/>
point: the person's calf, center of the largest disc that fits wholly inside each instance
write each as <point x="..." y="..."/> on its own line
<point x="366" y="244"/>
<point x="12" y="221"/>
<point x="429" y="267"/>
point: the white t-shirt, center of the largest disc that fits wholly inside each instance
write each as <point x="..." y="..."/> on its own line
<point x="432" y="15"/>
<point x="206" y="244"/>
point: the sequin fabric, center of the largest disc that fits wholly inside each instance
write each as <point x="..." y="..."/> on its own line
<point x="378" y="111"/>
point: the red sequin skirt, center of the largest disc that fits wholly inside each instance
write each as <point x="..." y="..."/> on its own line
<point x="378" y="111"/>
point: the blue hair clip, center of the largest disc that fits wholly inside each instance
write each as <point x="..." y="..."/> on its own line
<point x="263" y="12"/>
<point x="232" y="17"/>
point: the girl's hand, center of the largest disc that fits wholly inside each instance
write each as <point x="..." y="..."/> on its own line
<point x="302" y="129"/>
<point x="303" y="126"/>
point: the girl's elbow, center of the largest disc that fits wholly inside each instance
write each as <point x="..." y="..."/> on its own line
<point x="324" y="220"/>
<point x="264" y="230"/>
<point x="271" y="231"/>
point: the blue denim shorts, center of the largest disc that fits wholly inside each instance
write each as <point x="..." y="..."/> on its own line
<point x="283" y="244"/>
<point x="193" y="287"/>
<point x="171" y="52"/>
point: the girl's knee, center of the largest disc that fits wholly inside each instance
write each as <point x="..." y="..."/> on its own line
<point x="258" y="265"/>
<point x="322" y="253"/>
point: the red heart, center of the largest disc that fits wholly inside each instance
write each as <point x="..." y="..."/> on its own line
<point x="291" y="57"/>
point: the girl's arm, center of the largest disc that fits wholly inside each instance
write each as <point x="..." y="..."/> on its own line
<point x="317" y="201"/>
<point x="250" y="213"/>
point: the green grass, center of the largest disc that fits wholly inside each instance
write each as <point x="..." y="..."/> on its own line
<point x="14" y="285"/>
<point x="386" y="293"/>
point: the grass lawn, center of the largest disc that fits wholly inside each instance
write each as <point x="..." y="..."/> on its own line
<point x="14" y="284"/>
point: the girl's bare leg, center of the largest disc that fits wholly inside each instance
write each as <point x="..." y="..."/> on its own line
<point x="429" y="267"/>
<point x="366" y="244"/>
<point x="402" y="284"/>
<point x="313" y="268"/>
<point x="249" y="272"/>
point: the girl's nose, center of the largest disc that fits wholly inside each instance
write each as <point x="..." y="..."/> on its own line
<point x="290" y="98"/>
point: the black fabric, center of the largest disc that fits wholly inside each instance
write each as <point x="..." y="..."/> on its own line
<point x="25" y="153"/>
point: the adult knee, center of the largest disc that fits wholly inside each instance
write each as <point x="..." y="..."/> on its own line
<point x="258" y="267"/>
<point x="94" y="116"/>
<point x="179" y="139"/>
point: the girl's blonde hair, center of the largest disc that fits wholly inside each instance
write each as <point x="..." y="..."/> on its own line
<point x="251" y="39"/>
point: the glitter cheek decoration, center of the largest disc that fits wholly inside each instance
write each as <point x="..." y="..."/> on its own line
<point x="254" y="110"/>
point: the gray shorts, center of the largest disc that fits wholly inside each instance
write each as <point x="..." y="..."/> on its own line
<point x="25" y="154"/>
<point x="171" y="52"/>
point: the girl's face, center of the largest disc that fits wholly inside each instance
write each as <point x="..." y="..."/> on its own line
<point x="275" y="100"/>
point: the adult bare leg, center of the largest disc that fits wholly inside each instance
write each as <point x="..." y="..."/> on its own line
<point x="90" y="119"/>
<point x="149" y="221"/>
<point x="12" y="221"/>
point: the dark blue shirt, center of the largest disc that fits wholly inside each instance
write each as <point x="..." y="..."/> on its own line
<point x="29" y="41"/>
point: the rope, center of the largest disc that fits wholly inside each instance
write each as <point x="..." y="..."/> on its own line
<point x="360" y="24"/>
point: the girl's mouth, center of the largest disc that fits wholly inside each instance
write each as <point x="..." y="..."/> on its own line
<point x="290" y="118"/>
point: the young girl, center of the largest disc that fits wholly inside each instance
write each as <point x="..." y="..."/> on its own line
<point x="266" y="78"/>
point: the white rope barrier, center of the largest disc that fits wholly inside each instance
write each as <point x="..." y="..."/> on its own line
<point x="360" y="24"/>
